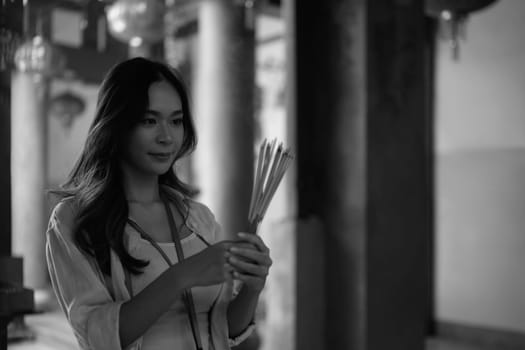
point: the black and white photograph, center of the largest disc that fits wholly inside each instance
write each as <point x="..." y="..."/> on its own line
<point x="262" y="175"/>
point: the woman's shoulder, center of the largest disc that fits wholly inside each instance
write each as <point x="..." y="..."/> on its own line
<point x="63" y="215"/>
<point x="199" y="211"/>
<point x="66" y="208"/>
<point x="202" y="220"/>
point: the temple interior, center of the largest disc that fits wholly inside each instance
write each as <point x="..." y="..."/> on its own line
<point x="399" y="223"/>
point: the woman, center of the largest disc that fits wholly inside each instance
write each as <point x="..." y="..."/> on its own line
<point x="133" y="261"/>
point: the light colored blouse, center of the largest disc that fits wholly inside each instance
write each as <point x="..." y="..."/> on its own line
<point x="92" y="306"/>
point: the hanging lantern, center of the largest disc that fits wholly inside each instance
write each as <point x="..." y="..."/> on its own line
<point x="134" y="20"/>
<point x="452" y="16"/>
<point x="38" y="56"/>
<point x="179" y="15"/>
<point x="9" y="42"/>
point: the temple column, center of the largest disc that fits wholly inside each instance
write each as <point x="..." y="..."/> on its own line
<point x="224" y="94"/>
<point x="28" y="175"/>
<point x="364" y="173"/>
<point x="5" y="161"/>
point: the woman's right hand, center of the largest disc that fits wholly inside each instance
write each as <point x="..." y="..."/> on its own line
<point x="209" y="266"/>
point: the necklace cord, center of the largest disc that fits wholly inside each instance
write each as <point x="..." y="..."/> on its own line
<point x="187" y="295"/>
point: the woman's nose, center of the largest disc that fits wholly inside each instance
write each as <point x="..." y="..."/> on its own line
<point x="164" y="133"/>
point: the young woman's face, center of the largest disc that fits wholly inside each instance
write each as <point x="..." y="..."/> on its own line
<point x="154" y="142"/>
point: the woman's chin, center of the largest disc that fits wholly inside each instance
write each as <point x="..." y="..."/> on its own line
<point x="161" y="170"/>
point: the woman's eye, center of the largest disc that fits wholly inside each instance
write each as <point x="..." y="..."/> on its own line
<point x="177" y="121"/>
<point x="148" y="121"/>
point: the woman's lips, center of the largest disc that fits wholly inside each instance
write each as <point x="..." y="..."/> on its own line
<point x="161" y="156"/>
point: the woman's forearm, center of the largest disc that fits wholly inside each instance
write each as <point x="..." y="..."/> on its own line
<point x="141" y="311"/>
<point x="241" y="311"/>
<point x="208" y="267"/>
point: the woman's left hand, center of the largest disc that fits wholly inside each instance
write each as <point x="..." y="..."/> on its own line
<point x="251" y="261"/>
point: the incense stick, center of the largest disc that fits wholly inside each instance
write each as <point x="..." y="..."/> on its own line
<point x="272" y="162"/>
<point x="256" y="180"/>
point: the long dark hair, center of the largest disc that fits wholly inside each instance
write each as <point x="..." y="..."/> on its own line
<point x="95" y="182"/>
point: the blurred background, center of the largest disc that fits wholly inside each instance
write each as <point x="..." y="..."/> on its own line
<point x="400" y="222"/>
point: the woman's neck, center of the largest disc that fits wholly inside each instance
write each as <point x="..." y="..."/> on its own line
<point x="143" y="195"/>
<point x="141" y="189"/>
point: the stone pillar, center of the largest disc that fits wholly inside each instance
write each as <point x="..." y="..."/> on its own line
<point x="5" y="161"/>
<point x="363" y="174"/>
<point x="28" y="175"/>
<point x="224" y="93"/>
<point x="11" y="23"/>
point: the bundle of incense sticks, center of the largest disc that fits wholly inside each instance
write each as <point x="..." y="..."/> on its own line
<point x="272" y="163"/>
